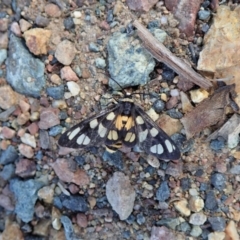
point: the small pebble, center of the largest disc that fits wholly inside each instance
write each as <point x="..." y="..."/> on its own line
<point x="56" y="92"/>
<point x="217" y="144"/>
<point x="210" y="201"/>
<point x="218" y="224"/>
<point x="198" y="219"/>
<point x="158" y="106"/>
<point x="46" y="194"/>
<point x="196" y="231"/>
<point x="93" y="47"/>
<point x="140" y="219"/>
<point x="68" y="23"/>
<point x="73" y="87"/>
<point x="196" y="204"/>
<point x="182" y="207"/>
<point x="26" y="150"/>
<point x="198" y="95"/>
<point x="100" y="63"/>
<point x="218" y="181"/>
<point x="203" y="15"/>
<point x="163" y="192"/>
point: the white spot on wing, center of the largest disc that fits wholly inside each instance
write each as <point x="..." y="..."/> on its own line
<point x="169" y="145"/>
<point x="142" y="135"/>
<point x="110" y="116"/>
<point x="114" y="135"/>
<point x="139" y="120"/>
<point x="102" y="130"/>
<point x="128" y="136"/>
<point x="86" y="140"/>
<point x="153" y="149"/>
<point x="80" y="139"/>
<point x="154" y="132"/>
<point x="159" y="148"/>
<point x="132" y="137"/>
<point x="93" y="123"/>
<point x="73" y="133"/>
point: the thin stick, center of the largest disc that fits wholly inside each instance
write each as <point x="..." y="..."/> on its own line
<point x="162" y="54"/>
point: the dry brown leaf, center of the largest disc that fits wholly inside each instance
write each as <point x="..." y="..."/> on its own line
<point x="207" y="113"/>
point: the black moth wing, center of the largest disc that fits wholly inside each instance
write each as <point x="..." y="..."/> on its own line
<point x="90" y="132"/>
<point x="152" y="139"/>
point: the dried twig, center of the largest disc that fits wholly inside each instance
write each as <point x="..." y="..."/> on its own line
<point x="162" y="54"/>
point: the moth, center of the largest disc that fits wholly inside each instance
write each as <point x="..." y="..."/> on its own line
<point x="122" y="123"/>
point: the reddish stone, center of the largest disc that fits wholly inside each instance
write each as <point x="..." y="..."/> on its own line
<point x="15" y="28"/>
<point x="185" y="12"/>
<point x="26" y="150"/>
<point x="73" y="188"/>
<point x="24" y="106"/>
<point x="25" y="168"/>
<point x="77" y="176"/>
<point x="104" y="25"/>
<point x="48" y="118"/>
<point x="52" y="10"/>
<point x="3" y="24"/>
<point x="33" y="128"/>
<point x="141" y="5"/>
<point x="44" y="102"/>
<point x="8" y="133"/>
<point x="6" y="202"/>
<point x="82" y="220"/>
<point x="172" y="102"/>
<point x="68" y="74"/>
<point x="23" y="118"/>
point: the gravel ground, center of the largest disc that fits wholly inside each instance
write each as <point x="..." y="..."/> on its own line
<point x="55" y="62"/>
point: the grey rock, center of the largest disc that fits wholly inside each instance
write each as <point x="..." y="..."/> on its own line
<point x="68" y="229"/>
<point x="163" y="192"/>
<point x="159" y="34"/>
<point x="203" y="14"/>
<point x="129" y="65"/>
<point x="56" y="92"/>
<point x="158" y="106"/>
<point x="120" y="194"/>
<point x="196" y="231"/>
<point x="93" y="47"/>
<point x="218" y="181"/>
<point x="68" y="23"/>
<point x="25" y="73"/>
<point x="169" y="222"/>
<point x="184" y="227"/>
<point x="3" y="56"/>
<point x="100" y="63"/>
<point x="44" y="139"/>
<point x="74" y="203"/>
<point x="173" y="113"/>
<point x="41" y="21"/>
<point x="8" y="172"/>
<point x="235" y="170"/>
<point x="114" y="159"/>
<point x="217" y="223"/>
<point x="140" y="219"/>
<point x="5" y="114"/>
<point x="54" y="131"/>
<point x="162" y="233"/>
<point x="198" y="219"/>
<point x="25" y="193"/>
<point x="9" y="155"/>
<point x="210" y="201"/>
